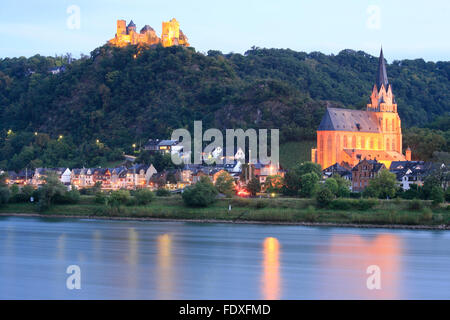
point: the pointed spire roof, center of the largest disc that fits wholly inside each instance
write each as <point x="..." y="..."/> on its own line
<point x="131" y="24"/>
<point x="382" y="78"/>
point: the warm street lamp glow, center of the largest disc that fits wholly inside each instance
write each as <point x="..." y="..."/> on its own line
<point x="10" y="132"/>
<point x="60" y="137"/>
<point x="35" y="133"/>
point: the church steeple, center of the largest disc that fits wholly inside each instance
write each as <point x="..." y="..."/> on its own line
<point x="382" y="78"/>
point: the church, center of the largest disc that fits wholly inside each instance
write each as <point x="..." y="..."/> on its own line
<point x="348" y="136"/>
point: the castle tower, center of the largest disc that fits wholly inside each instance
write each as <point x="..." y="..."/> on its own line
<point x="131" y="27"/>
<point x="121" y="27"/>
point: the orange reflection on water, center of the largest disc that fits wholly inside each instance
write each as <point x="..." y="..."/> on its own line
<point x="165" y="274"/>
<point x="351" y="255"/>
<point x="271" y="269"/>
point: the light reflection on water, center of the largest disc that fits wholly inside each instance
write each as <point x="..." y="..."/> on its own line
<point x="165" y="267"/>
<point x="167" y="260"/>
<point x="351" y="255"/>
<point x="271" y="274"/>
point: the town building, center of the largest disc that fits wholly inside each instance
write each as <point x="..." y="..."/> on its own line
<point x="363" y="172"/>
<point x="350" y="136"/>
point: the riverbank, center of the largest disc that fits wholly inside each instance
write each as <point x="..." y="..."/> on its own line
<point x="304" y="224"/>
<point x="278" y="211"/>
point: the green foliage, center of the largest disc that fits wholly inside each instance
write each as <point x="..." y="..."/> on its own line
<point x="225" y="184"/>
<point x="172" y="87"/>
<point x="201" y="194"/>
<point x="293" y="177"/>
<point x="254" y="186"/>
<point x="383" y="186"/>
<point x="343" y="190"/>
<point x="100" y="198"/>
<point x="68" y="197"/>
<point x="162" y="192"/>
<point x="274" y="184"/>
<point x="118" y="198"/>
<point x="309" y="183"/>
<point x="14" y="189"/>
<point x="447" y="195"/>
<point x="324" y="197"/>
<point x="415" y="205"/>
<point x="437" y="195"/>
<point x="5" y="194"/>
<point x="332" y="184"/>
<point x="412" y="193"/>
<point x="144" y="196"/>
<point x="50" y="191"/>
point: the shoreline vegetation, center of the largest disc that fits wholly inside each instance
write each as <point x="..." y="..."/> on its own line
<point x="365" y="213"/>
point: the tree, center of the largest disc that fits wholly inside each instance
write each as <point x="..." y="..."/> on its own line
<point x="144" y="196"/>
<point x="201" y="194"/>
<point x="4" y="190"/>
<point x="324" y="197"/>
<point x="119" y="197"/>
<point x="309" y="183"/>
<point x="293" y="177"/>
<point x="254" y="186"/>
<point x="50" y="191"/>
<point x="332" y="184"/>
<point x="384" y="185"/>
<point x="225" y="184"/>
<point x="274" y="184"/>
<point x="437" y="195"/>
<point x="429" y="184"/>
<point x="343" y="186"/>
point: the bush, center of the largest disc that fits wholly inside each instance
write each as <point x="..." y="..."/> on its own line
<point x="324" y="197"/>
<point x="100" y="198"/>
<point x="201" y="194"/>
<point x="345" y="204"/>
<point x="144" y="196"/>
<point x="69" y="197"/>
<point x="119" y="197"/>
<point x="415" y="205"/>
<point x="363" y="204"/>
<point x="260" y="204"/>
<point x="310" y="214"/>
<point x="341" y="204"/>
<point x="238" y="202"/>
<point x="4" y="195"/>
<point x="161" y="192"/>
<point x="427" y="214"/>
<point x="355" y="195"/>
<point x="437" y="195"/>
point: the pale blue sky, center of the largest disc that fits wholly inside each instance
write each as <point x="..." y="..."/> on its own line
<point x="406" y="28"/>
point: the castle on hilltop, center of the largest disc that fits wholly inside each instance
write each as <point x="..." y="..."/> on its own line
<point x="348" y="136"/>
<point x="171" y="35"/>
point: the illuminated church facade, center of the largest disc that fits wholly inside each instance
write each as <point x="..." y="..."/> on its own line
<point x="347" y="136"/>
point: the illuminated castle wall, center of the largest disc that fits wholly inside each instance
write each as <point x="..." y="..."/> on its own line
<point x="127" y="35"/>
<point x="348" y="136"/>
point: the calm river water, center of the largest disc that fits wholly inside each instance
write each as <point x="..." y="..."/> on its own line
<point x="174" y="260"/>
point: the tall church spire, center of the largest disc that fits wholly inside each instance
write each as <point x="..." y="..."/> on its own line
<point x="382" y="78"/>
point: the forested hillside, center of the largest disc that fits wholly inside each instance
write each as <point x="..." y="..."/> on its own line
<point x="94" y="110"/>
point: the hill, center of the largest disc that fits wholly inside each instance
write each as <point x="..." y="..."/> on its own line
<point x="99" y="105"/>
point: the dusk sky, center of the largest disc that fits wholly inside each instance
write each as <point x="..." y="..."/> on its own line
<point x="407" y="29"/>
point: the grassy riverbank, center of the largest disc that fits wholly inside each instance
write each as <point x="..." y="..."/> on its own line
<point x="375" y="212"/>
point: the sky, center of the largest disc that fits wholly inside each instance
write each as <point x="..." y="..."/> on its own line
<point x="407" y="29"/>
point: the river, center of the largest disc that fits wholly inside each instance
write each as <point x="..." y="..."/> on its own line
<point x="178" y="260"/>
